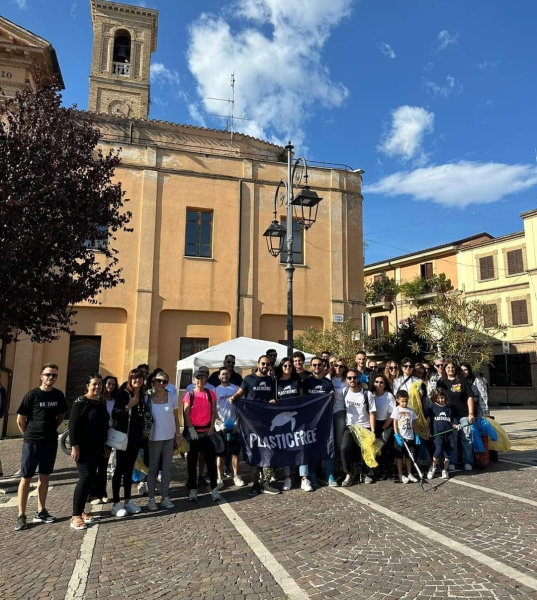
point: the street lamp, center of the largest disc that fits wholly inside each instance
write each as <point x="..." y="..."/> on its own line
<point x="305" y="206"/>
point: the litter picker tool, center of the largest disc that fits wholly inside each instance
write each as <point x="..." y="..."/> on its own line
<point x="420" y="474"/>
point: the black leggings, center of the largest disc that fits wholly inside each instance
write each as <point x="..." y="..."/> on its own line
<point x="205" y="446"/>
<point x="98" y="488"/>
<point x="125" y="460"/>
<point x="87" y="472"/>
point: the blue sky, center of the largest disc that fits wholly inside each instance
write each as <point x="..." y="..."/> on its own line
<point x="434" y="99"/>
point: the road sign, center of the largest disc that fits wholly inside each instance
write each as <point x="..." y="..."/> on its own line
<point x="505" y="348"/>
<point x="338" y="318"/>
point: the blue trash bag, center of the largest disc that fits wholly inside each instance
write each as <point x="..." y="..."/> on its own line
<point x="485" y="428"/>
<point x="477" y="442"/>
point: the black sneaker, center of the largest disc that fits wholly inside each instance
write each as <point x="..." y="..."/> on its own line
<point x="255" y="490"/>
<point x="202" y="482"/>
<point x="266" y="488"/>
<point x="21" y="523"/>
<point x="43" y="517"/>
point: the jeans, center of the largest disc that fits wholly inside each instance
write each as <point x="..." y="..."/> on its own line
<point x="87" y="472"/>
<point x="206" y="447"/>
<point x="160" y="453"/>
<point x="463" y="438"/>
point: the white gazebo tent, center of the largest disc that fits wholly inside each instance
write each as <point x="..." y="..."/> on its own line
<point x="246" y="352"/>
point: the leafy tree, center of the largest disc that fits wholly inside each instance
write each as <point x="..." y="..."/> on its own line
<point x="342" y="339"/>
<point x="396" y="346"/>
<point x="418" y="286"/>
<point x="385" y="288"/>
<point x="459" y="330"/>
<point x="56" y="200"/>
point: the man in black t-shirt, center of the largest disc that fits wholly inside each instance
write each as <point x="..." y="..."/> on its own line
<point x="229" y="363"/>
<point x="41" y="411"/>
<point x="259" y="387"/>
<point x="298" y="361"/>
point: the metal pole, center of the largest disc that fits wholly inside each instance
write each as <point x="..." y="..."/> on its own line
<point x="289" y="268"/>
<point x="506" y="380"/>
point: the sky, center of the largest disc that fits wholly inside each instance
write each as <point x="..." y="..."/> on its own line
<point x="433" y="99"/>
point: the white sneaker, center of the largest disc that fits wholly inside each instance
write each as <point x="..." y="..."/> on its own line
<point x="468" y="467"/>
<point x="167" y="503"/>
<point x="215" y="495"/>
<point x="96" y="501"/>
<point x="193" y="496"/>
<point x="413" y="478"/>
<point x="151" y="504"/>
<point x="131" y="508"/>
<point x="237" y="480"/>
<point x="451" y="467"/>
<point x="404" y="479"/>
<point x="347" y="482"/>
<point x="305" y="486"/>
<point x="118" y="510"/>
<point x="287" y="484"/>
<point x="142" y="488"/>
<point x="219" y="484"/>
<point x="445" y="474"/>
<point x="430" y="473"/>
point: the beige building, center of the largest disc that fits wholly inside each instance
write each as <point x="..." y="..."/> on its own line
<point x="196" y="268"/>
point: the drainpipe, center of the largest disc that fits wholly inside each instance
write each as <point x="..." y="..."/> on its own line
<point x="238" y="310"/>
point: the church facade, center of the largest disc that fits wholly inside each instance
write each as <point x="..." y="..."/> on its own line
<point x="196" y="268"/>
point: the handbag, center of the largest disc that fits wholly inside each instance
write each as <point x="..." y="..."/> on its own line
<point x="117" y="439"/>
<point x="147" y="418"/>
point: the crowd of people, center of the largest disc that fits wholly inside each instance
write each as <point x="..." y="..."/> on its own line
<point x="420" y="413"/>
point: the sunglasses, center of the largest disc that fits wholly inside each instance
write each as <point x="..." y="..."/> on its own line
<point x="162" y="381"/>
<point x="272" y="355"/>
<point x="340" y="366"/>
<point x="439" y="366"/>
<point x="230" y="362"/>
<point x="379" y="382"/>
<point x="263" y="364"/>
<point x="50" y="375"/>
<point x="407" y="366"/>
<point x="393" y="368"/>
<point x="352" y="378"/>
<point x="287" y="366"/>
<point x="317" y="365"/>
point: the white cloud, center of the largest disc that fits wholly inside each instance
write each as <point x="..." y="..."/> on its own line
<point x="452" y="86"/>
<point x="445" y="39"/>
<point x="458" y="184"/>
<point x="410" y="124"/>
<point x="387" y="50"/>
<point x="277" y="60"/>
<point x="22" y="4"/>
<point x="160" y="75"/>
<point x="487" y="64"/>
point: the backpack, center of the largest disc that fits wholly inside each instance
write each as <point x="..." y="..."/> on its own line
<point x="191" y="395"/>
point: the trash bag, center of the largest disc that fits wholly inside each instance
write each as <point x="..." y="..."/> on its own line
<point x="414" y="402"/>
<point x="486" y="429"/>
<point x="477" y="442"/>
<point x="140" y="469"/>
<point x="183" y="447"/>
<point x="368" y="443"/>
<point x="502" y="444"/>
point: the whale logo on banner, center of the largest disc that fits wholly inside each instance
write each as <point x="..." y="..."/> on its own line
<point x="295" y="431"/>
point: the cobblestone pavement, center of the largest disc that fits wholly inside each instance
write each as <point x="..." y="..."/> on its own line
<point x="293" y="546"/>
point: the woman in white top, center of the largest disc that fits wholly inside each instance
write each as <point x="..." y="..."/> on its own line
<point x="338" y="379"/>
<point x="385" y="403"/>
<point x="162" y="439"/>
<point x="404" y="381"/>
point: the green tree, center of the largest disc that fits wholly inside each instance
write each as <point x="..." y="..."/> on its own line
<point x="459" y="330"/>
<point x="398" y="345"/>
<point x="343" y="339"/>
<point x="57" y="205"/>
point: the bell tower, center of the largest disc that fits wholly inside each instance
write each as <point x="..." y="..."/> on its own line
<point x="124" y="37"/>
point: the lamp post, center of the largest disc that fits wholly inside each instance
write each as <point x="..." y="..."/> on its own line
<point x="305" y="206"/>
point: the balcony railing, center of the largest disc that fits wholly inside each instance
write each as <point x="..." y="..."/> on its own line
<point x="122" y="69"/>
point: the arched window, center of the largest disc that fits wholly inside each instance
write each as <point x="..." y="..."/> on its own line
<point x="122" y="53"/>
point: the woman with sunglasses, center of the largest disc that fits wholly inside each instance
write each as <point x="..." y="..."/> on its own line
<point x="165" y="434"/>
<point x="339" y="382"/>
<point x="128" y="414"/>
<point x="407" y="379"/>
<point x="288" y="385"/>
<point x="385" y="403"/>
<point x="391" y="372"/>
<point x="481" y="409"/>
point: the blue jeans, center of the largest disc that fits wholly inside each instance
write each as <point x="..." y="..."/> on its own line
<point x="303" y="471"/>
<point x="463" y="438"/>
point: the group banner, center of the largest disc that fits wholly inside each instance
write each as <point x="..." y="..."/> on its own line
<point x="295" y="431"/>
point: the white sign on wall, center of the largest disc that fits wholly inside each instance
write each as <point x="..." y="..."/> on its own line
<point x="339" y="318"/>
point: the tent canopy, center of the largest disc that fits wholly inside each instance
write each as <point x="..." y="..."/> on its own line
<point x="246" y="352"/>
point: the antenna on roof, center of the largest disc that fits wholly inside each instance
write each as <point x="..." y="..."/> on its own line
<point x="231" y="117"/>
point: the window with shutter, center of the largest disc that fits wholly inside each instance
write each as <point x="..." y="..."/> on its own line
<point x="515" y="264"/>
<point x="385" y="325"/>
<point x="373" y="328"/>
<point x="519" y="312"/>
<point x="426" y="270"/>
<point x="491" y="315"/>
<point x="486" y="268"/>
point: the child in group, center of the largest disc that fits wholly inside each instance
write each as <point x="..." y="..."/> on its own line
<point x="404" y="426"/>
<point x="441" y="415"/>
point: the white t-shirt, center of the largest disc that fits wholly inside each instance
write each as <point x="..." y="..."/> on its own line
<point x="338" y="383"/>
<point x="385" y="406"/>
<point x="399" y="385"/>
<point x="357" y="410"/>
<point x="163" y="419"/>
<point x="224" y="409"/>
<point x="405" y="417"/>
